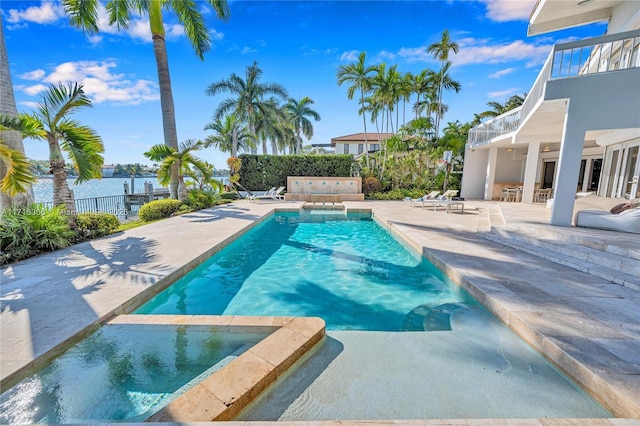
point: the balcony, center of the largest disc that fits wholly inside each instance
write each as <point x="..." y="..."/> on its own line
<point x="606" y="54"/>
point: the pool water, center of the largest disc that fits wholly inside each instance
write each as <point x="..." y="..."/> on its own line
<point x="345" y="269"/>
<point x="123" y="372"/>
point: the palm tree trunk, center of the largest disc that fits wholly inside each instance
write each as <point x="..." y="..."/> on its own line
<point x="166" y="103"/>
<point x="234" y="143"/>
<point x="364" y="121"/>
<point x="11" y="138"/>
<point x="274" y="147"/>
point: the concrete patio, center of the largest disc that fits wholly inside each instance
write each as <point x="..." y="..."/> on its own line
<point x="586" y="324"/>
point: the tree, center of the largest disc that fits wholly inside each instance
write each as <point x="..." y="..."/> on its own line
<point x="51" y="122"/>
<point x="16" y="185"/>
<point x="299" y="113"/>
<point x="440" y="50"/>
<point x="231" y="135"/>
<point x="359" y="75"/>
<point x="84" y="14"/>
<point x="182" y="159"/>
<point x="249" y="95"/>
<point x="498" y="109"/>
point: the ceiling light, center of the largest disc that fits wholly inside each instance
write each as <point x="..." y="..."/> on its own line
<point x="546" y="148"/>
<point x="509" y="149"/>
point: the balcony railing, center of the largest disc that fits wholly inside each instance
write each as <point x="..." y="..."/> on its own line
<point x="596" y="55"/>
<point x="497" y="126"/>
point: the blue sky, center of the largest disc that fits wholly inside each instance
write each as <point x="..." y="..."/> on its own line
<point x="299" y="44"/>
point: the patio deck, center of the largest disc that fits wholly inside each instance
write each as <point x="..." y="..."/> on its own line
<point x="587" y="325"/>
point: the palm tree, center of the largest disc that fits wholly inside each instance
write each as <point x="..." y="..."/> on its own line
<point x="84" y="14"/>
<point x="496" y="109"/>
<point x="231" y="135"/>
<point x="16" y="186"/>
<point x="51" y="122"/>
<point x="515" y="101"/>
<point x="249" y="95"/>
<point x="299" y="112"/>
<point x="182" y="159"/>
<point x="441" y="51"/>
<point x="359" y="75"/>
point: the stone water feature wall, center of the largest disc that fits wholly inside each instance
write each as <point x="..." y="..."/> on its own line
<point x="324" y="189"/>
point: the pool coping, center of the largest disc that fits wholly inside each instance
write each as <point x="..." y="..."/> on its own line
<point x="227" y="391"/>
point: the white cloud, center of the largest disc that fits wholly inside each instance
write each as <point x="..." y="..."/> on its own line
<point x="174" y="31"/>
<point x="261" y="43"/>
<point x="509" y="10"/>
<point x="46" y="13"/>
<point x="34" y="89"/>
<point x="216" y="35"/>
<point x="30" y="104"/>
<point x="100" y="83"/>
<point x="33" y="75"/>
<point x="500" y="73"/>
<point x="502" y="93"/>
<point x="246" y="50"/>
<point x="386" y="55"/>
<point x="350" y="55"/>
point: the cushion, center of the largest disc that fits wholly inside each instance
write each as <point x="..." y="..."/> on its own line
<point x="621" y="207"/>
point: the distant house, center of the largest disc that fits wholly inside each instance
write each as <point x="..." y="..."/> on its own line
<point x="108" y="170"/>
<point x="355" y="144"/>
<point x="322" y="148"/>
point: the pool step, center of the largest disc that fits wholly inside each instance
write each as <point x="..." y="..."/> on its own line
<point x="617" y="264"/>
<point x="319" y="205"/>
<point x="431" y="318"/>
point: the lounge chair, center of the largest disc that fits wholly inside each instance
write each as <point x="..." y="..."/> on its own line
<point x="429" y="196"/>
<point x="275" y="195"/>
<point x="445" y="200"/>
<point x="625" y="221"/>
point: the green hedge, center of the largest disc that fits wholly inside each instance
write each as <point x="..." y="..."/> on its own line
<point x="91" y="225"/>
<point x="159" y="209"/>
<point x="261" y="172"/>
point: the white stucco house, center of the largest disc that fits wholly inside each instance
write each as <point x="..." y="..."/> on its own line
<point x="355" y="143"/>
<point x="579" y="127"/>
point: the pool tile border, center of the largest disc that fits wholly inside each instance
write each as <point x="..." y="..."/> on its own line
<point x="226" y="392"/>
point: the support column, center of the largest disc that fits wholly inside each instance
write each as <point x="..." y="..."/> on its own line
<point x="491" y="173"/>
<point x="568" y="169"/>
<point x="530" y="171"/>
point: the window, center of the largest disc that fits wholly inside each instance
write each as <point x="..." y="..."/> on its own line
<point x="374" y="147"/>
<point x="360" y="148"/>
<point x="346" y="148"/>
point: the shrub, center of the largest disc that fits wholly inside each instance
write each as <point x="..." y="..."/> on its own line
<point x="199" y="199"/>
<point x="158" y="209"/>
<point x="229" y="196"/>
<point x="28" y="231"/>
<point x="370" y="185"/>
<point x="397" y="194"/>
<point x="92" y="225"/>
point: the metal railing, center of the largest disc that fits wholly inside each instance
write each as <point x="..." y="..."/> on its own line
<point x="594" y="55"/>
<point x="497" y="126"/>
<point x="118" y="205"/>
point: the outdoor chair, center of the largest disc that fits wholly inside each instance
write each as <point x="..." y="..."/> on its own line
<point x="443" y="200"/>
<point x="429" y="196"/>
<point x="275" y="195"/>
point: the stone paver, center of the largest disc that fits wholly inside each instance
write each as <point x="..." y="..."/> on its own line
<point x="579" y="322"/>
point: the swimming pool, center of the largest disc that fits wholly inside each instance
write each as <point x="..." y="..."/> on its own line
<point x="368" y="286"/>
<point x="123" y="372"/>
<point x="345" y="269"/>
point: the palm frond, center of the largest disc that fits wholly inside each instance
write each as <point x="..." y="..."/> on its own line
<point x="27" y="125"/>
<point x="159" y="152"/>
<point x="82" y="14"/>
<point x="18" y="176"/>
<point x="119" y="13"/>
<point x="194" y="27"/>
<point x="84" y="147"/>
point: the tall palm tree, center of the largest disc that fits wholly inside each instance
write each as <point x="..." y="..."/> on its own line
<point x="18" y="189"/>
<point x="440" y="50"/>
<point x="359" y="75"/>
<point x="299" y="113"/>
<point x="182" y="158"/>
<point x="496" y="109"/>
<point x="231" y="135"/>
<point x="84" y="14"/>
<point x="50" y="122"/>
<point x="249" y="95"/>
